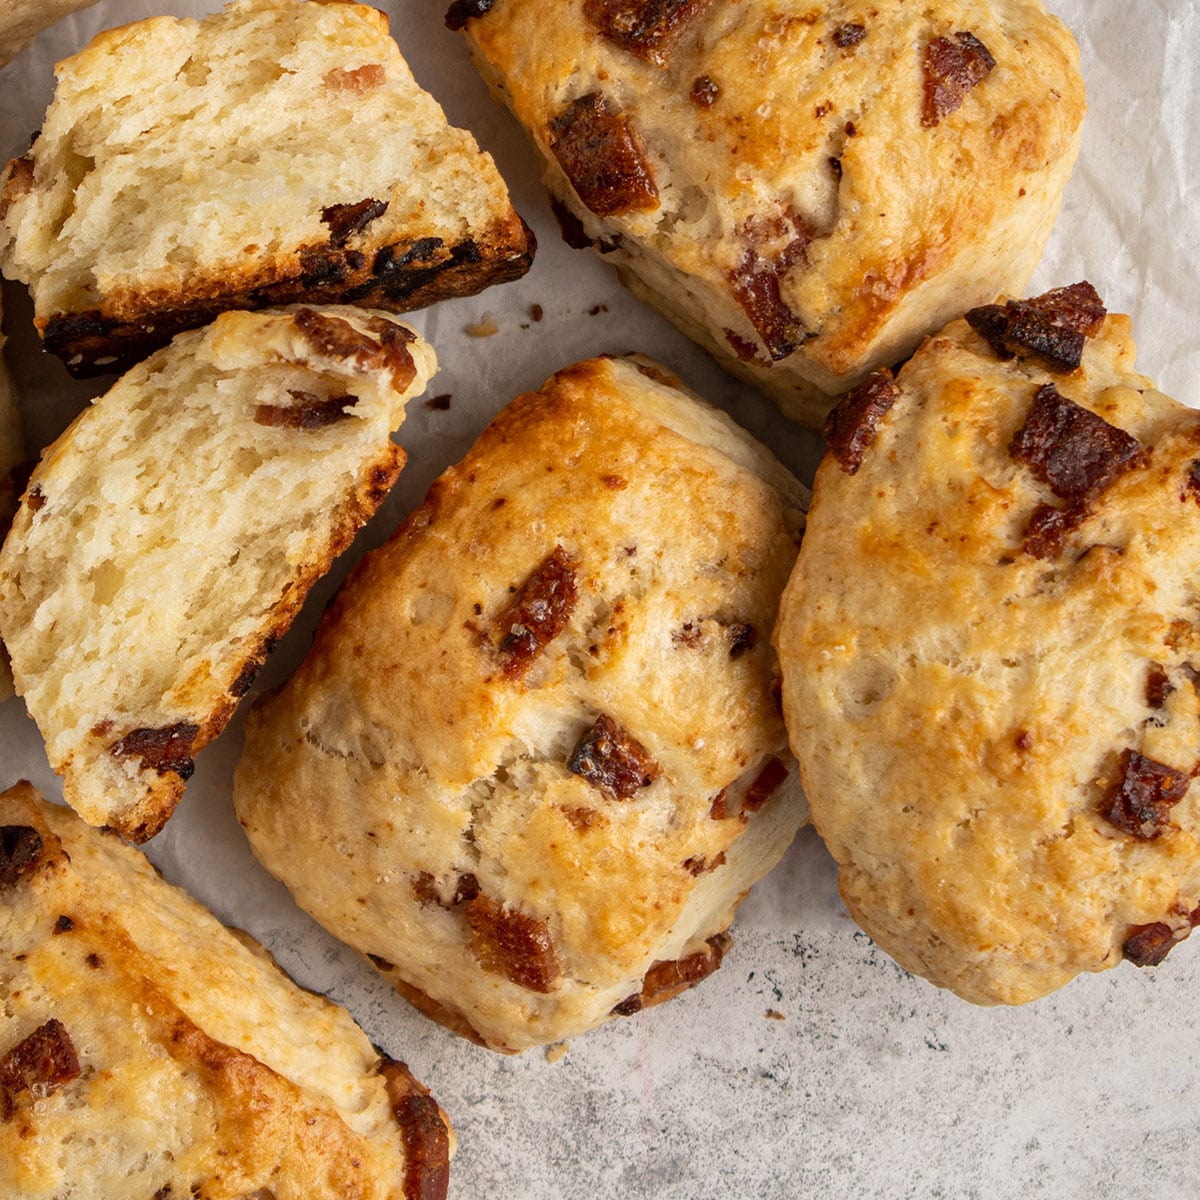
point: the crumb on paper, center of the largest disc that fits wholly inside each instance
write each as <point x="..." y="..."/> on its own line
<point x="773" y="1014"/>
<point x="439" y="403"/>
<point x="536" y="312"/>
<point x="597" y="309"/>
<point x="557" y="1051"/>
<point x="485" y="328"/>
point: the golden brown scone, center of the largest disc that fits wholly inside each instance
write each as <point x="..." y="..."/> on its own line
<point x="271" y="153"/>
<point x="806" y="190"/>
<point x="146" y="1050"/>
<point x="12" y="455"/>
<point x="22" y="20"/>
<point x="990" y="653"/>
<point x="533" y="761"/>
<point x="169" y="536"/>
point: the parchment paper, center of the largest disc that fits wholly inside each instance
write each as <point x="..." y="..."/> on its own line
<point x="875" y="1084"/>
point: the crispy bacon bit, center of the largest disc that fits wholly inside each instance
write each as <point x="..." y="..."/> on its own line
<point x="538" y="613"/>
<point x="705" y="91"/>
<point x="462" y="11"/>
<point x="424" y="887"/>
<point x="699" y="865"/>
<point x="765" y="785"/>
<point x="1052" y="327"/>
<point x="20" y="846"/>
<point x="667" y="979"/>
<point x="569" y="226"/>
<point x="1148" y="945"/>
<point x="645" y="28"/>
<point x="35" y="499"/>
<point x="746" y="351"/>
<point x="851" y="426"/>
<point x="602" y="155"/>
<point x="659" y="375"/>
<point x="41" y="1064"/>
<point x="347" y="220"/>
<point x="719" y="809"/>
<point x="1141" y="801"/>
<point x="581" y="819"/>
<point x="1158" y="686"/>
<point x="423" y="1131"/>
<point x="161" y="750"/>
<point x="308" y="413"/>
<point x="952" y="66"/>
<point x="755" y="281"/>
<point x="613" y="761"/>
<point x="360" y="80"/>
<point x="1072" y="450"/>
<point x="849" y="34"/>
<point x="1048" y="528"/>
<point x="741" y="639"/>
<point x="513" y="944"/>
<point x="1191" y="485"/>
<point x="337" y="338"/>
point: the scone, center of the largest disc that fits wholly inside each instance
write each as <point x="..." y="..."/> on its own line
<point x="534" y="759"/>
<point x="990" y="653"/>
<point x="271" y="153"/>
<point x="148" y="1051"/>
<point x="805" y="190"/>
<point x="12" y="455"/>
<point x="169" y="536"/>
<point x="22" y="20"/>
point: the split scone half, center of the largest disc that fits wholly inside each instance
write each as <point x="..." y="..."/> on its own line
<point x="991" y="651"/>
<point x="12" y="456"/>
<point x="147" y="1050"/>
<point x="535" y="758"/>
<point x="169" y="536"/>
<point x="805" y="190"/>
<point x="274" y="152"/>
<point x="22" y="20"/>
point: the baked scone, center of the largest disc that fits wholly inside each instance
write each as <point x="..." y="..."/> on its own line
<point x="22" y="20"/>
<point x="169" y="536"/>
<point x="12" y="455"/>
<point x="274" y="152"/>
<point x="534" y="761"/>
<point x="990" y="653"/>
<point x="805" y="190"/>
<point x="146" y="1050"/>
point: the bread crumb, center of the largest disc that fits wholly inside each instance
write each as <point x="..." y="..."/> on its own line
<point x="557" y="1051"/>
<point x="485" y="328"/>
<point x="439" y="403"/>
<point x="537" y="312"/>
<point x="773" y="1014"/>
<point x="597" y="309"/>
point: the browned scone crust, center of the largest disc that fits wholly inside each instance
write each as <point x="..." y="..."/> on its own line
<point x="806" y="190"/>
<point x="990" y="651"/>
<point x="170" y="535"/>
<point x="534" y="759"/>
<point x="148" y="1051"/>
<point x="334" y="227"/>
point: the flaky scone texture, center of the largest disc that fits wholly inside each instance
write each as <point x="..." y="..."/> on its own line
<point x="806" y="190"/>
<point x="169" y="536"/>
<point x="12" y="455"/>
<point x="533" y="760"/>
<point x="22" y="20"/>
<point x="990" y="649"/>
<point x="274" y="152"/>
<point x="146" y="1050"/>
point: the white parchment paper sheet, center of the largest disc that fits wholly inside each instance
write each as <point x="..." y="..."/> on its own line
<point x="875" y="1084"/>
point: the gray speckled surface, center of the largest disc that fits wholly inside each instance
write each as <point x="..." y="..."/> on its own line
<point x="874" y="1084"/>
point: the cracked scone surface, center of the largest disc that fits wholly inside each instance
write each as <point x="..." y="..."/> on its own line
<point x="265" y="155"/>
<point x="989" y="649"/>
<point x="169" y="536"/>
<point x="533" y="760"/>
<point x="146" y="1050"/>
<point x="805" y="190"/>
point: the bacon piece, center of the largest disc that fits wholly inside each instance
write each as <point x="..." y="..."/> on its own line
<point x="360" y="80"/>
<point x="347" y="220"/>
<point x="851" y="426"/>
<point x="644" y="28"/>
<point x="665" y="980"/>
<point x="604" y="158"/>
<point x="513" y="944"/>
<point x="741" y="638"/>
<point x="337" y="338"/>
<point x="755" y="281"/>
<point x="422" y="1130"/>
<point x="20" y="846"/>
<point x="849" y="34"/>
<point x="765" y="785"/>
<point x="1072" y="450"/>
<point x="1158" y="686"/>
<point x="308" y="413"/>
<point x="698" y="864"/>
<point x="704" y="91"/>
<point x="1048" y="528"/>
<point x="613" y="761"/>
<point x="1148" y="945"/>
<point x="538" y="613"/>
<point x="165" y="749"/>
<point x="1140" y="802"/>
<point x="462" y="11"/>
<point x="1052" y="327"/>
<point x="41" y="1064"/>
<point x="952" y="67"/>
